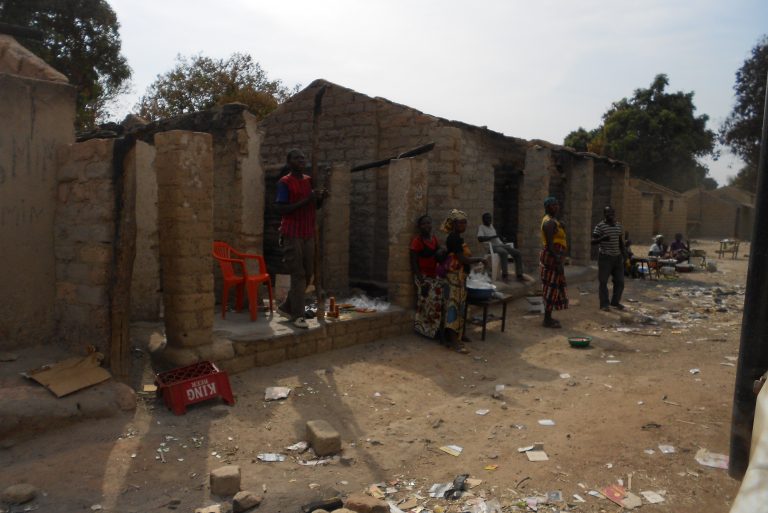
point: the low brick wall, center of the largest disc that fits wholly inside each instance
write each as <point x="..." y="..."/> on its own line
<point x="362" y="329"/>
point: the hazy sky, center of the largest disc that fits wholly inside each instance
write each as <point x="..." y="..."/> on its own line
<point x="535" y="70"/>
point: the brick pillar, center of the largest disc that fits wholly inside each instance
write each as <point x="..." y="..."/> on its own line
<point x="533" y="190"/>
<point x="145" y="286"/>
<point x="184" y="166"/>
<point x="619" y="184"/>
<point x="407" y="201"/>
<point x="251" y="174"/>
<point x="336" y="230"/>
<point x="579" y="199"/>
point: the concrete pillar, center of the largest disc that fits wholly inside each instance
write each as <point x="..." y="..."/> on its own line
<point x="145" y="287"/>
<point x="407" y="201"/>
<point x="533" y="190"/>
<point x="579" y="199"/>
<point x="184" y="166"/>
<point x="336" y="230"/>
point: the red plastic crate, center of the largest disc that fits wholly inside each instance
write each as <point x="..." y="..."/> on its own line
<point x="193" y="384"/>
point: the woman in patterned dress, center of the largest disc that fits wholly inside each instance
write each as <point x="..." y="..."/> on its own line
<point x="430" y="290"/>
<point x="457" y="267"/>
<point x="551" y="259"/>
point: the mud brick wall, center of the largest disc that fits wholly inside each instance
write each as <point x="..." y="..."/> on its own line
<point x="184" y="166"/>
<point x="37" y="114"/>
<point x="673" y="216"/>
<point x="474" y="179"/>
<point x="539" y="166"/>
<point x="84" y="238"/>
<point x="638" y="219"/>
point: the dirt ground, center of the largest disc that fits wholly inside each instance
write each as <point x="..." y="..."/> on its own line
<point x="397" y="401"/>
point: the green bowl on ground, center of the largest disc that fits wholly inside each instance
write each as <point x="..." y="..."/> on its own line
<point x="579" y="341"/>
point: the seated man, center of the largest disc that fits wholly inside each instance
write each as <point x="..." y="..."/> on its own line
<point x="487" y="233"/>
<point x="679" y="250"/>
<point x="658" y="249"/>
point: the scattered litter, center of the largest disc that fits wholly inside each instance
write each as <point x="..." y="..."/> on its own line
<point x="595" y="493"/>
<point x="547" y="422"/>
<point x="453" y="450"/>
<point x="652" y="497"/>
<point x="276" y="393"/>
<point x="712" y="459"/>
<point x="694" y="371"/>
<point x="666" y="449"/>
<point x="578" y="498"/>
<point x="70" y="375"/>
<point x="673" y="403"/>
<point x="649" y="451"/>
<point x="731" y="358"/>
<point x="613" y="361"/>
<point x="270" y="456"/>
<point x="319" y="461"/>
<point x="375" y="491"/>
<point x="728" y="364"/>
<point x="632" y="501"/>
<point x="650" y="425"/>
<point x="150" y="389"/>
<point x="555" y="496"/>
<point x="535" y="452"/>
<point x="614" y="493"/>
<point x="565" y="375"/>
<point x="472" y="482"/>
<point x="298" y="447"/>
<point x="490" y="467"/>
<point x="482" y="412"/>
<point x="438" y="489"/>
<point x="609" y="465"/>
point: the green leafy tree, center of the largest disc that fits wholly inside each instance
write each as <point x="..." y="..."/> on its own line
<point x="198" y="83"/>
<point x="582" y="140"/>
<point x="82" y="41"/>
<point x="657" y="134"/>
<point x="741" y="130"/>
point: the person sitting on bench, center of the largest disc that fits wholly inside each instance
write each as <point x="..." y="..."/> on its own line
<point x="487" y="233"/>
<point x="679" y="250"/>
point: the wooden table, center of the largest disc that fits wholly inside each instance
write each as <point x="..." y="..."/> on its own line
<point x="506" y="298"/>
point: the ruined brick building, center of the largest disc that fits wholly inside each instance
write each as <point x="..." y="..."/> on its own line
<point x="115" y="229"/>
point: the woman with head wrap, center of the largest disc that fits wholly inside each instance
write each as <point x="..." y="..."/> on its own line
<point x="554" y="247"/>
<point x="457" y="267"/>
<point x="430" y="289"/>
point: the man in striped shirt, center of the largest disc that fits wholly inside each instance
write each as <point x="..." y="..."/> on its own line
<point x="296" y="202"/>
<point x="608" y="236"/>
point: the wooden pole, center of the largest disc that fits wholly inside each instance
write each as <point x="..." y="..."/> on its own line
<point x="319" y="182"/>
<point x="753" y="348"/>
<point x="125" y="253"/>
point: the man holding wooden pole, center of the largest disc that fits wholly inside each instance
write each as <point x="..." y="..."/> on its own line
<point x="297" y="203"/>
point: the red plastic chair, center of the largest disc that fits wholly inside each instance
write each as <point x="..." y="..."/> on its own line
<point x="235" y="272"/>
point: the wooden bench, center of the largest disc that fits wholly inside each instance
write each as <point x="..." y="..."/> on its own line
<point x="506" y="298"/>
<point x="728" y="246"/>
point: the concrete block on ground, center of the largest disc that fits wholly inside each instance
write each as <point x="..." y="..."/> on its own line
<point x="323" y="439"/>
<point x="18" y="494"/>
<point x="245" y="500"/>
<point x="361" y="503"/>
<point x="225" y="481"/>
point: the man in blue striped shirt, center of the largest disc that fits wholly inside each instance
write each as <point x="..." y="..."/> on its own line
<point x="608" y="235"/>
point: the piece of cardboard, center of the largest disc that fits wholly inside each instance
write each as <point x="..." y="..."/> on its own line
<point x="615" y="493"/>
<point x="70" y="375"/>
